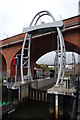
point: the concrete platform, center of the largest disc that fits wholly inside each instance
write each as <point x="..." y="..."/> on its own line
<point x="41" y="83"/>
<point x="61" y="89"/>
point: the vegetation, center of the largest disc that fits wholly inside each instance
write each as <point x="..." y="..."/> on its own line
<point x="68" y="74"/>
<point x="45" y="68"/>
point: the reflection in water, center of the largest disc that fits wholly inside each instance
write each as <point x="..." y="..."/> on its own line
<point x="30" y="109"/>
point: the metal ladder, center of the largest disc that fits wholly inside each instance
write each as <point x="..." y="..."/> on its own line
<point x="25" y="58"/>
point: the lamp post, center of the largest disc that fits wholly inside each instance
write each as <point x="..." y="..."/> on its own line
<point x="15" y="63"/>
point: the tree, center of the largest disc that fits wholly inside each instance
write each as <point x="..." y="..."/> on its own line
<point x="45" y="67"/>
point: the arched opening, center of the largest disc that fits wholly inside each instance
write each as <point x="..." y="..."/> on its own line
<point x="44" y="65"/>
<point x="49" y="59"/>
<point x="3" y="66"/>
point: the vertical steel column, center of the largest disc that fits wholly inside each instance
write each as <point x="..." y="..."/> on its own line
<point x="16" y="70"/>
<point x="73" y="65"/>
<point x="29" y="70"/>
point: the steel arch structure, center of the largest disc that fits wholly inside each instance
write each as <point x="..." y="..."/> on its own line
<point x="34" y="28"/>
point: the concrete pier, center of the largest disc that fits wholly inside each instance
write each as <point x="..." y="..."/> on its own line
<point x="21" y="90"/>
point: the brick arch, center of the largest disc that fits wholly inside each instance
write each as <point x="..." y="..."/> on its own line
<point x="9" y="53"/>
<point x="17" y="51"/>
<point x="72" y="47"/>
<point x="72" y="39"/>
<point x="69" y="47"/>
<point x="2" y="54"/>
<point x="3" y="65"/>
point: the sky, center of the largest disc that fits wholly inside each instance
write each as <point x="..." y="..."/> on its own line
<point x="45" y="59"/>
<point x="17" y="14"/>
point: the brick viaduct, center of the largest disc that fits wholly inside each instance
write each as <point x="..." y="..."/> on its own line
<point x="40" y="45"/>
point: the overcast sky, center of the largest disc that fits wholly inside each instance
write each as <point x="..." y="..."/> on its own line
<point x="16" y="14"/>
<point x="49" y="58"/>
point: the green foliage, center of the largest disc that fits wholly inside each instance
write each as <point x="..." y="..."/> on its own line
<point x="45" y="67"/>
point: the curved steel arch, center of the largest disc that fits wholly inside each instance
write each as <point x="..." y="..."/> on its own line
<point x="39" y="16"/>
<point x="61" y="48"/>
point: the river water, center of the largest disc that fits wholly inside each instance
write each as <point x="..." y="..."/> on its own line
<point x="30" y="109"/>
<point x="27" y="109"/>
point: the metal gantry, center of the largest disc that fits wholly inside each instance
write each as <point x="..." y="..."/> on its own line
<point x="25" y="53"/>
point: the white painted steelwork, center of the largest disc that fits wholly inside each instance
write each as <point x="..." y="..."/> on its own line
<point x="73" y="64"/>
<point x="60" y="61"/>
<point x="34" y="29"/>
